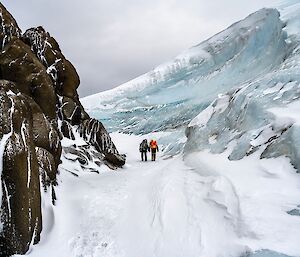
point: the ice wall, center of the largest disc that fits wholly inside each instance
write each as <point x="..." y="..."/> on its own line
<point x="234" y="80"/>
<point x="260" y="115"/>
<point x="172" y="94"/>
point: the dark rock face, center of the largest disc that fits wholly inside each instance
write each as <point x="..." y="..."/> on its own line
<point x="66" y="81"/>
<point x="71" y="111"/>
<point x="20" y="65"/>
<point x="21" y="208"/>
<point x="62" y="72"/>
<point x="39" y="105"/>
<point x="94" y="132"/>
<point x="8" y="27"/>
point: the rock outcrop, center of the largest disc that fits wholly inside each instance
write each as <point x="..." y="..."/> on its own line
<point x="21" y="200"/>
<point x="39" y="105"/>
<point x="66" y="81"/>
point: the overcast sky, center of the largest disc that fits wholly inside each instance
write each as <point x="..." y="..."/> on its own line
<point x="112" y="41"/>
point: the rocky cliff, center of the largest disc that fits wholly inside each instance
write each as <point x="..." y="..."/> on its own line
<point x="39" y="106"/>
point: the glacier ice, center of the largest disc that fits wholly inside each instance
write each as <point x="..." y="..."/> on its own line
<point x="248" y="119"/>
<point x="175" y="92"/>
<point x="222" y="90"/>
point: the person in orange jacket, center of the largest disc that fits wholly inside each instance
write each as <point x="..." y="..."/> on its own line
<point x="154" y="149"/>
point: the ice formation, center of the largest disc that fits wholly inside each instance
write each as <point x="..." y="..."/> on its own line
<point x="175" y="92"/>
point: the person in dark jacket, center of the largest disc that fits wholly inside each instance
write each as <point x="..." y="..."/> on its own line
<point x="143" y="149"/>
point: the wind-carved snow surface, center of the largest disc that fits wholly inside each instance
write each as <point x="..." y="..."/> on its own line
<point x="231" y="188"/>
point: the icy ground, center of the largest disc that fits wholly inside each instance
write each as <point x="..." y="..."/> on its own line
<point x="193" y="206"/>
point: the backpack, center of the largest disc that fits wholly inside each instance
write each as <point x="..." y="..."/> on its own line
<point x="143" y="146"/>
<point x="153" y="144"/>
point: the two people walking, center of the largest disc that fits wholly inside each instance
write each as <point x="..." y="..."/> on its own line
<point x="144" y="148"/>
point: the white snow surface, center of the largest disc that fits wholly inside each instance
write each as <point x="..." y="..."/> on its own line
<point x="200" y="205"/>
<point x="291" y="111"/>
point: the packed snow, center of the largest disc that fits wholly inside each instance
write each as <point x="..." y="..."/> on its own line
<point x="226" y="182"/>
<point x="198" y="205"/>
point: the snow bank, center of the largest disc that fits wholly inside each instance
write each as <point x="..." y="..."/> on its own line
<point x="255" y="196"/>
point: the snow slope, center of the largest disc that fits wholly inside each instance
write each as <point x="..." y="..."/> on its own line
<point x="203" y="205"/>
<point x="228" y="189"/>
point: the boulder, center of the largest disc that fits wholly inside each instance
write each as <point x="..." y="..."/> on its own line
<point x="46" y="134"/>
<point x="71" y="111"/>
<point x="32" y="151"/>
<point x="94" y="133"/>
<point x="8" y="27"/>
<point x="21" y="199"/>
<point x="20" y="65"/>
<point x="70" y="80"/>
<point x="47" y="167"/>
<point x="63" y="73"/>
<point x="67" y="130"/>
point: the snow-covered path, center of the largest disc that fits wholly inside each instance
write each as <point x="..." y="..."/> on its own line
<point x="195" y="206"/>
<point x="130" y="212"/>
<point x="146" y="211"/>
